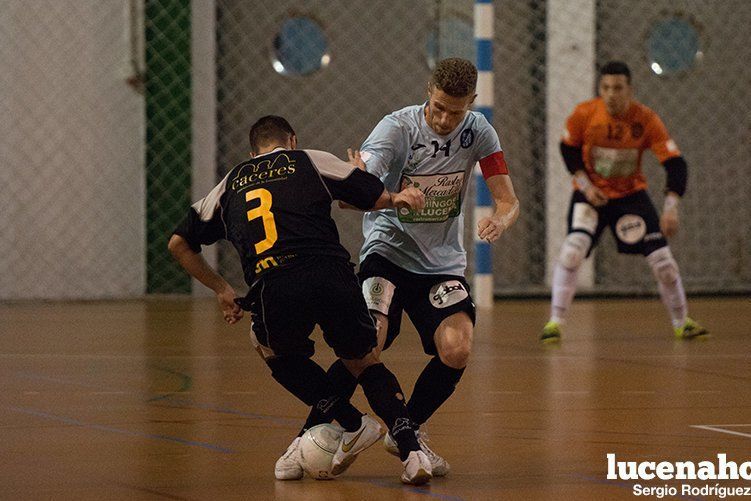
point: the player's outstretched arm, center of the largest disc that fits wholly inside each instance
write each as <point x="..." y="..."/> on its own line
<point x="198" y="268"/>
<point x="355" y="159"/>
<point x="506" y="208"/>
<point x="411" y="198"/>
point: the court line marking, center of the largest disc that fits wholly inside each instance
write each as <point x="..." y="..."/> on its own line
<point x="186" y="382"/>
<point x="175" y="402"/>
<point x="51" y="379"/>
<point x="720" y="428"/>
<point x="99" y="427"/>
<point x="170" y="399"/>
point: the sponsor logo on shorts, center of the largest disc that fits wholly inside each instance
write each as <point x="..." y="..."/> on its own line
<point x="447" y="294"/>
<point x="630" y="229"/>
<point x="378" y="293"/>
<point x="653" y="236"/>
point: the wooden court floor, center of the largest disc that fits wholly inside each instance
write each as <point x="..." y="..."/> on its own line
<point x="158" y="399"/>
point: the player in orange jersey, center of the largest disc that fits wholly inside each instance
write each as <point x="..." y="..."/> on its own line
<point x="602" y="147"/>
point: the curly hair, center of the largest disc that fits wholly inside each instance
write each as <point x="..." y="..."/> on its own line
<point x="455" y="76"/>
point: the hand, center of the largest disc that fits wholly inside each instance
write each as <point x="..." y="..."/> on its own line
<point x="491" y="228"/>
<point x="355" y="158"/>
<point x="592" y="193"/>
<point x="595" y="196"/>
<point x="231" y="310"/>
<point x="669" y="222"/>
<point x="411" y="198"/>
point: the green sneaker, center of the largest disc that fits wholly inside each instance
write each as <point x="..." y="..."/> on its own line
<point x="551" y="333"/>
<point x="690" y="330"/>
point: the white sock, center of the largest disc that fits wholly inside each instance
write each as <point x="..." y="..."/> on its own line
<point x="674" y="298"/>
<point x="564" y="288"/>
<point x="669" y="284"/>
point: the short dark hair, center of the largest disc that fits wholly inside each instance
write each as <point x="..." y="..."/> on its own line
<point x="455" y="76"/>
<point x="267" y="130"/>
<point x="616" y="68"/>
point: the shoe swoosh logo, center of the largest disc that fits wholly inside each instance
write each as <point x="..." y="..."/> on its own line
<point x="346" y="447"/>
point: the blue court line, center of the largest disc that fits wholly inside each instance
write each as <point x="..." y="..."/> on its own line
<point x="110" y="429"/>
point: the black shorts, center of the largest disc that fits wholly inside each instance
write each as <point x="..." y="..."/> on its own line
<point x="427" y="299"/>
<point x="287" y="303"/>
<point x="633" y="221"/>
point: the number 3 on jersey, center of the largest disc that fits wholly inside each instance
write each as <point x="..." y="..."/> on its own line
<point x="263" y="211"/>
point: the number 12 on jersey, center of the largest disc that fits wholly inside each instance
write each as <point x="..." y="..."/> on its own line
<point x="263" y="211"/>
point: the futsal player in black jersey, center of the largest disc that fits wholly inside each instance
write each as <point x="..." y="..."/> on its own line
<point x="275" y="209"/>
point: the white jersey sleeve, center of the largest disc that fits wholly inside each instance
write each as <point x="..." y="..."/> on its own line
<point x="386" y="146"/>
<point x="487" y="142"/>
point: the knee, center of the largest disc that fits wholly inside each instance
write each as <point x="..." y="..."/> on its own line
<point x="455" y="353"/>
<point x="456" y="358"/>
<point x="574" y="250"/>
<point x="664" y="267"/>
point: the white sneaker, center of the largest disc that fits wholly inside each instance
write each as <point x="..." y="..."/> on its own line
<point x="440" y="467"/>
<point x="289" y="466"/>
<point x="353" y="443"/>
<point x="417" y="470"/>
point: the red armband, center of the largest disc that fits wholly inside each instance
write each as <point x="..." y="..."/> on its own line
<point x="494" y="164"/>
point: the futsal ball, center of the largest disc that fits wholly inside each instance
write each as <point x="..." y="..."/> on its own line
<point x="317" y="448"/>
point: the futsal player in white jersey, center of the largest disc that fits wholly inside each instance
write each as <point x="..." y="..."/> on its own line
<point x="414" y="261"/>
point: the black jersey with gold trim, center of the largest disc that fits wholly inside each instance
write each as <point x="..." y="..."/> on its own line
<point x="276" y="208"/>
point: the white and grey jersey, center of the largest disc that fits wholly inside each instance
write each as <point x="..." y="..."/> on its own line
<point x="403" y="150"/>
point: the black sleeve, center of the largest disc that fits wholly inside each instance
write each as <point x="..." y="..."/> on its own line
<point x="198" y="233"/>
<point x="572" y="157"/>
<point x="677" y="175"/>
<point x="360" y="189"/>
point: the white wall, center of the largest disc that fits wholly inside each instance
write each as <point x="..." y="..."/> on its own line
<point x="203" y="102"/>
<point x="71" y="150"/>
<point x="570" y="80"/>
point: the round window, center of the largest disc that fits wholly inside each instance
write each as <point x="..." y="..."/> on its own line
<point x="673" y="45"/>
<point x="300" y="47"/>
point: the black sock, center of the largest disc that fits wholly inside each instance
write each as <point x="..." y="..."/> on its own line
<point x="307" y="380"/>
<point x="344" y="384"/>
<point x="434" y="386"/>
<point x="387" y="400"/>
